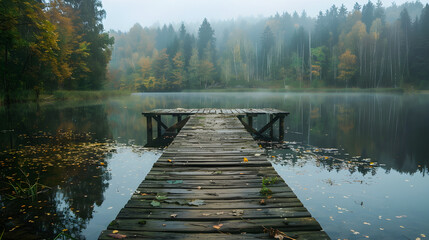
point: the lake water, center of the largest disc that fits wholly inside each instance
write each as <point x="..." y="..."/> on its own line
<point x="358" y="162"/>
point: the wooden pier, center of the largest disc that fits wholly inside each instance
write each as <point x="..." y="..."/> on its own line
<point x="208" y="185"/>
<point x="182" y="115"/>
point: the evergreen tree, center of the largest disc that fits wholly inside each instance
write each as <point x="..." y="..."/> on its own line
<point x="379" y="12"/>
<point x="368" y="14"/>
<point x="205" y="38"/>
<point x="187" y="49"/>
<point x="356" y="7"/>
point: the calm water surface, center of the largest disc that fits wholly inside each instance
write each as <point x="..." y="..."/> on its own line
<point x="358" y="162"/>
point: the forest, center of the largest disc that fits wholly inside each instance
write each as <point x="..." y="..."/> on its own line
<point x="51" y="45"/>
<point x="369" y="46"/>
<point x="62" y="45"/>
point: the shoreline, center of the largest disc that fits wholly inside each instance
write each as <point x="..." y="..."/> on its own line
<point x="310" y="90"/>
<point x="56" y="96"/>
<point x="64" y="95"/>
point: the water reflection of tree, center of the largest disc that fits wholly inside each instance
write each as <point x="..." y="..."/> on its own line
<point x="390" y="129"/>
<point x="58" y="147"/>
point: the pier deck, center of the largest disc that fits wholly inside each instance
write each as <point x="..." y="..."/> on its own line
<point x="206" y="185"/>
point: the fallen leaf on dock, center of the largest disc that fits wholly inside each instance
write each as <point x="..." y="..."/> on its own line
<point x="262" y="202"/>
<point x="196" y="203"/>
<point x="155" y="203"/>
<point x="174" y="181"/>
<point x="161" y="197"/>
<point x="173" y="215"/>
<point x="245" y="160"/>
<point x="217" y="226"/>
<point x="115" y="231"/>
<point x="237" y="212"/>
<point x="117" y="235"/>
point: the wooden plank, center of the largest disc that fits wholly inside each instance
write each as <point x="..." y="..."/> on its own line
<point x="302" y="235"/>
<point x="218" y="203"/>
<point x="231" y="226"/>
<point x="213" y="215"/>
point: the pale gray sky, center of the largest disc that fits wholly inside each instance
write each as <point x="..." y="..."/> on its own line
<point x="123" y="14"/>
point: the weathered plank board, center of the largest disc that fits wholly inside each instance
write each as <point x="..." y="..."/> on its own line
<point x="207" y="185"/>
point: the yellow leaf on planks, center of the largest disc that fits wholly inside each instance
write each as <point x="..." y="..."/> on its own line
<point x="217" y="226"/>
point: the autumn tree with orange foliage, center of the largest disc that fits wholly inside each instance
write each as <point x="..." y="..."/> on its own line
<point x="347" y="66"/>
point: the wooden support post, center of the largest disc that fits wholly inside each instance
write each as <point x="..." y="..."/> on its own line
<point x="282" y="128"/>
<point x="159" y="125"/>
<point x="272" y="127"/>
<point x="179" y="119"/>
<point x="149" y="128"/>
<point x="250" y="120"/>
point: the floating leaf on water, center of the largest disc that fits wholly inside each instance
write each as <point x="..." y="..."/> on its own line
<point x="155" y="203"/>
<point x="422" y="235"/>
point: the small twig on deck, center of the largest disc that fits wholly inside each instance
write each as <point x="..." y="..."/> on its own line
<point x="275" y="233"/>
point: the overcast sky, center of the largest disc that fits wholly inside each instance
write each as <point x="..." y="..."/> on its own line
<point x="123" y="14"/>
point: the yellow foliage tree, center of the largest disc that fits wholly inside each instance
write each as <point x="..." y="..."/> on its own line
<point x="347" y="66"/>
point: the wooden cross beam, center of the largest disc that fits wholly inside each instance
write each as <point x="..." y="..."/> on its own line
<point x="249" y="125"/>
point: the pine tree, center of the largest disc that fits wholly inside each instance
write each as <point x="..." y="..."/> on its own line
<point x="205" y="39"/>
<point x="368" y="14"/>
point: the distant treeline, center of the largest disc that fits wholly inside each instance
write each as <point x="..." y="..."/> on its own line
<point x="369" y="46"/>
<point x="49" y="45"/>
